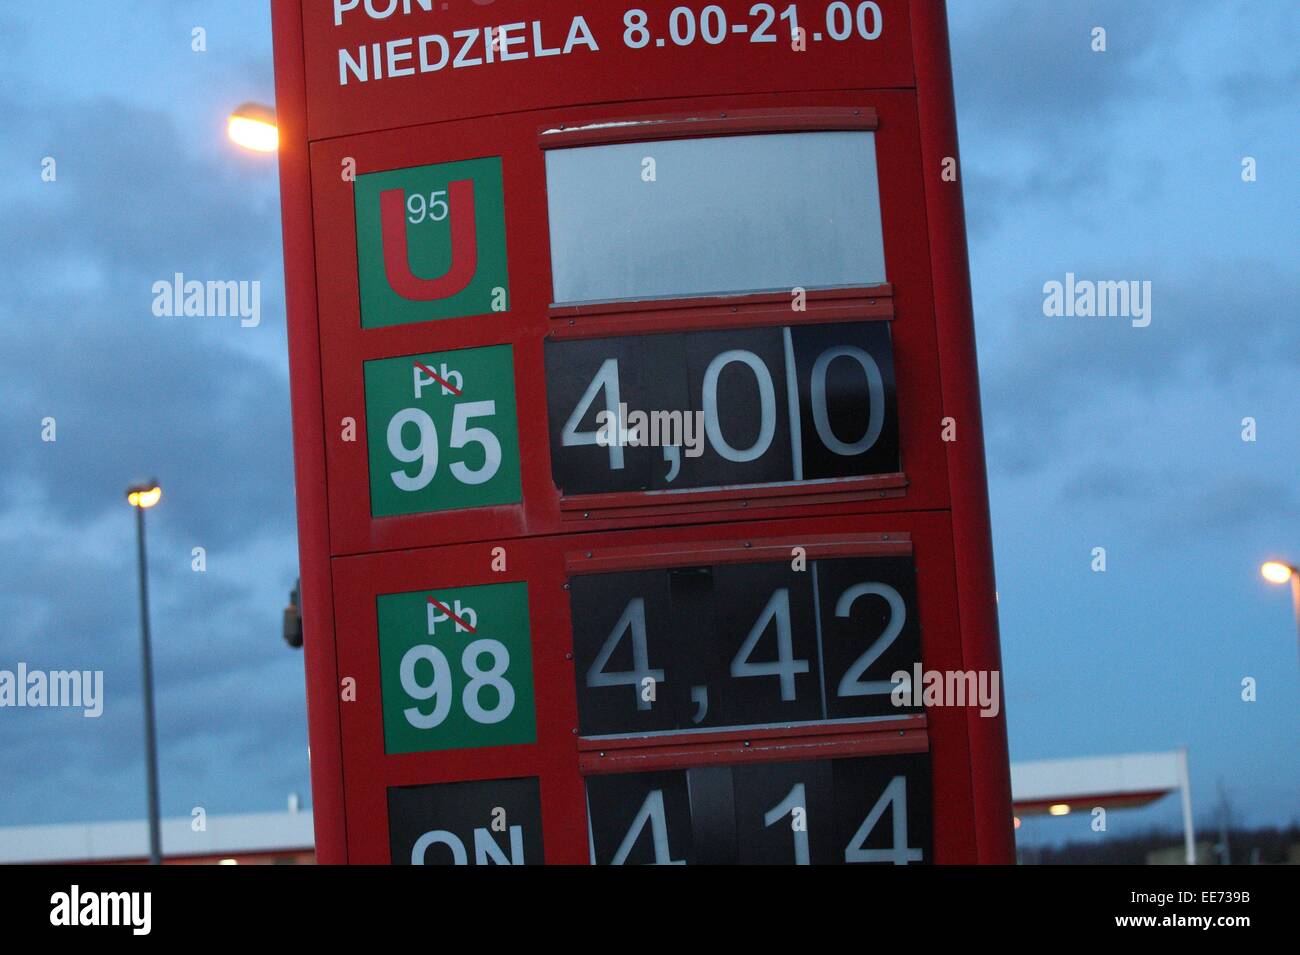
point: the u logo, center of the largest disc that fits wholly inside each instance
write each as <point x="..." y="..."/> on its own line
<point x="431" y="242"/>
<point x="464" y="245"/>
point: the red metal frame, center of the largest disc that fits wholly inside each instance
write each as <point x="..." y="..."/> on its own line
<point x="605" y="558"/>
<point x="698" y="314"/>
<point x="784" y="744"/>
<point x="316" y="593"/>
<point x="694" y="125"/>
<point x="959" y="377"/>
<point x="940" y="508"/>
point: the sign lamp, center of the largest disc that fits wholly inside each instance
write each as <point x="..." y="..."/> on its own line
<point x="1276" y="572"/>
<point x="253" y="127"/>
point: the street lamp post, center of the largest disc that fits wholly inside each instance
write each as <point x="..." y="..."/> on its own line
<point x="143" y="495"/>
<point x="1279" y="572"/>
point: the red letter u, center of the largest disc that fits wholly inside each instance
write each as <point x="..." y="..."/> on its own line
<point x="464" y="245"/>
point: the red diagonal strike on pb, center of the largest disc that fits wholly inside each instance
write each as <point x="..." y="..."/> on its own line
<point x="438" y="378"/>
<point x="447" y="611"/>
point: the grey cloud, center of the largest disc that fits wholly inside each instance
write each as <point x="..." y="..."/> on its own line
<point x="1204" y="329"/>
<point x="200" y="403"/>
<point x="1028" y="68"/>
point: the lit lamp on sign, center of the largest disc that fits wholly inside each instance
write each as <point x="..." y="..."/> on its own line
<point x="143" y="495"/>
<point x="253" y="126"/>
<point x="1059" y="809"/>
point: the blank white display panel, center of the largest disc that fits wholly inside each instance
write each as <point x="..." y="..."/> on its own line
<point x="714" y="216"/>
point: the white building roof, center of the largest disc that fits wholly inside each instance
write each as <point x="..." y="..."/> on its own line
<point x="105" y="841"/>
<point x="1063" y="779"/>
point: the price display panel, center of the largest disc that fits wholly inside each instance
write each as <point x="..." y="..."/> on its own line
<point x="869" y="810"/>
<point x="745" y="407"/>
<point x="743" y="644"/>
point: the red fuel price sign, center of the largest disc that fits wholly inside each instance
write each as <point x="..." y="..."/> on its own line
<point x="637" y="434"/>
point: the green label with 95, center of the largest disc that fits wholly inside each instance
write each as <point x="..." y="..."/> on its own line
<point x="456" y="668"/>
<point x="431" y="242"/>
<point x="442" y="431"/>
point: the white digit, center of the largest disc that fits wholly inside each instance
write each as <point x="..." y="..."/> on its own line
<point x="461" y="436"/>
<point x="839" y="13"/>
<point x="636" y="35"/>
<point x="719" y="31"/>
<point x="760" y="34"/>
<point x="426" y="452"/>
<point x="439" y="690"/>
<point x="434" y="201"/>
<point x="682" y="37"/>
<point x="415" y="208"/>
<point x="875" y="400"/>
<point x="852" y="684"/>
<point x="877" y="20"/>
<point x="794" y="800"/>
<point x="633" y="620"/>
<point x="895" y="795"/>
<point x="605" y="379"/>
<point x="766" y="399"/>
<point x="481" y="678"/>
<point x="785" y="666"/>
<point x="652" y="811"/>
<point x="791" y="15"/>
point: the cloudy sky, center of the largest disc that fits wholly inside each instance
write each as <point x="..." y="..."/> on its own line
<point x="1122" y="165"/>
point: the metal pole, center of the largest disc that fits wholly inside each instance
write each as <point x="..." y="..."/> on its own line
<point x="1295" y="598"/>
<point x="1185" y="788"/>
<point x="150" y="742"/>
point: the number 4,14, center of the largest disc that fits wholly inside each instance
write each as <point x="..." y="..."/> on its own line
<point x="652" y="816"/>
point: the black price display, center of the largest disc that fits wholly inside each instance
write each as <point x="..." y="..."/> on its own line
<point x="484" y="822"/>
<point x="750" y="406"/>
<point x="862" y="810"/>
<point x="734" y="645"/>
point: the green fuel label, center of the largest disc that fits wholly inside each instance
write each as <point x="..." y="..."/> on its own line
<point x="442" y="430"/>
<point x="431" y="242"/>
<point x="456" y="668"/>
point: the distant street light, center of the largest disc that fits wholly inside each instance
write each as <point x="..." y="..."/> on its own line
<point x="1279" y="572"/>
<point x="143" y="495"/>
<point x="253" y="126"/>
